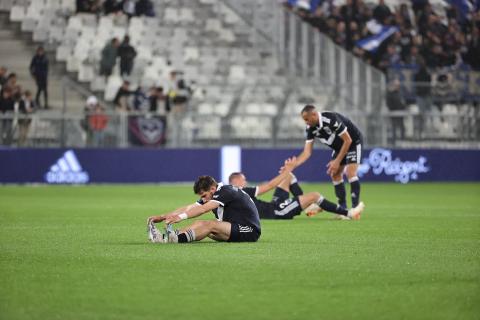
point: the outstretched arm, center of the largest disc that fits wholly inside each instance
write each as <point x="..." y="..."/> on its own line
<point x="162" y="217"/>
<point x="285" y="171"/>
<point x="306" y="153"/>
<point x="191" y="212"/>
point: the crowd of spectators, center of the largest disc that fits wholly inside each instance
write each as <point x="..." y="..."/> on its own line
<point x="16" y="103"/>
<point x="441" y="39"/>
<point x="156" y="99"/>
<point x="128" y="7"/>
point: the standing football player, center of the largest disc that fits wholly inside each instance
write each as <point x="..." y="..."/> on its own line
<point x="340" y="134"/>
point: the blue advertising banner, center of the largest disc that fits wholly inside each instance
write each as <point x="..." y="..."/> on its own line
<point x="106" y="166"/>
<point x="79" y="166"/>
<point x="386" y="165"/>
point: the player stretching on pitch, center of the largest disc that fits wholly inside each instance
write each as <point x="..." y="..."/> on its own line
<point x="237" y="216"/>
<point x="340" y="134"/>
<point x="284" y="207"/>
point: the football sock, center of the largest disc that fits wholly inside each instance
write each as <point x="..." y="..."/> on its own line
<point x="331" y="207"/>
<point x="187" y="236"/>
<point x="355" y="191"/>
<point x="296" y="190"/>
<point x="340" y="193"/>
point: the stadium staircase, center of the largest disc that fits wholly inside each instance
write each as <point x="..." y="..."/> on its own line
<point x="240" y="94"/>
<point x="16" y="52"/>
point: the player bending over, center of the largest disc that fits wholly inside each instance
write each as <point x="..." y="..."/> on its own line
<point x="284" y="207"/>
<point x="237" y="216"/>
<point x="340" y="134"/>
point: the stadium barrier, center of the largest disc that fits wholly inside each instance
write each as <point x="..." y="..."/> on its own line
<point x="80" y="166"/>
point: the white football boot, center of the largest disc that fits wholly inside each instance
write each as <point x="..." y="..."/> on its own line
<point x="355" y="213"/>
<point x="171" y="234"/>
<point x="153" y="234"/>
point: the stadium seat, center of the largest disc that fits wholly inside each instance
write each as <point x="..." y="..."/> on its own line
<point x="73" y="63"/>
<point x="85" y="73"/>
<point x="28" y="24"/>
<point x="211" y="129"/>
<point x="98" y="84"/>
<point x="40" y="34"/>
<point x="113" y="84"/>
<point x="17" y="13"/>
<point x="205" y="108"/>
<point x="6" y="5"/>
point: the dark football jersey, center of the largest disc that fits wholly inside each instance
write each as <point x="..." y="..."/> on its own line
<point x="265" y="209"/>
<point x="236" y="206"/>
<point x="331" y="126"/>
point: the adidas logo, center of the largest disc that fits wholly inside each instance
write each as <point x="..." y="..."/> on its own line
<point x="67" y="170"/>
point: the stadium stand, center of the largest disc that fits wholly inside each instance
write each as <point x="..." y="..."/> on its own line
<point x="225" y="53"/>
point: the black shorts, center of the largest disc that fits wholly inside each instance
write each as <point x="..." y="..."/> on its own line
<point x="354" y="154"/>
<point x="241" y="233"/>
<point x="285" y="207"/>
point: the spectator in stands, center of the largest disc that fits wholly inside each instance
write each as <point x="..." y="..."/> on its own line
<point x="121" y="98"/>
<point x="90" y="106"/>
<point x="423" y="81"/>
<point x="390" y="58"/>
<point x="473" y="52"/>
<point x="413" y="56"/>
<point x="109" y="57"/>
<point x="112" y="6"/>
<point x="144" y="8"/>
<point x="153" y="97"/>
<point x="340" y="35"/>
<point x="395" y="103"/>
<point x="98" y="122"/>
<point x="127" y="54"/>
<point x="11" y="83"/>
<point x="7" y="106"/>
<point x="405" y="41"/>
<point x="182" y="95"/>
<point x="3" y="76"/>
<point x="436" y="57"/>
<point x="89" y="6"/>
<point x="39" y="71"/>
<point x="403" y="16"/>
<point x="140" y="100"/>
<point x="382" y="13"/>
<point x="128" y="7"/>
<point x="25" y="108"/>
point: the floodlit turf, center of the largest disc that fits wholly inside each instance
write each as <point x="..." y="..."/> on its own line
<point x="82" y="253"/>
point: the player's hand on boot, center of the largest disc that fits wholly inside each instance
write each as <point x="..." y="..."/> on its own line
<point x="155" y="219"/>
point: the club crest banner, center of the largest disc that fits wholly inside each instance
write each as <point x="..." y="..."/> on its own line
<point x="147" y="130"/>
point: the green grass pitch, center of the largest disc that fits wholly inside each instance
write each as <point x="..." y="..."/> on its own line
<point x="82" y="253"/>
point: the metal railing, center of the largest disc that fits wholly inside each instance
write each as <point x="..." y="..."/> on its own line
<point x="454" y="126"/>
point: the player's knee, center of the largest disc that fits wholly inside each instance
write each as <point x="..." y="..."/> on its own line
<point x="336" y="177"/>
<point x="201" y="224"/>
<point x="315" y="195"/>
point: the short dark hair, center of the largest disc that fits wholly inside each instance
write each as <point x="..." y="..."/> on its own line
<point x="203" y="183"/>
<point x="233" y="175"/>
<point x="308" y="108"/>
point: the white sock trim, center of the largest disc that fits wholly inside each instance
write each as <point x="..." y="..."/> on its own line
<point x="294" y="178"/>
<point x="336" y="183"/>
<point x="190" y="235"/>
<point x="320" y="200"/>
<point x="353" y="179"/>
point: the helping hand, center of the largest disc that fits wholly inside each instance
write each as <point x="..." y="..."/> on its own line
<point x="289" y="165"/>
